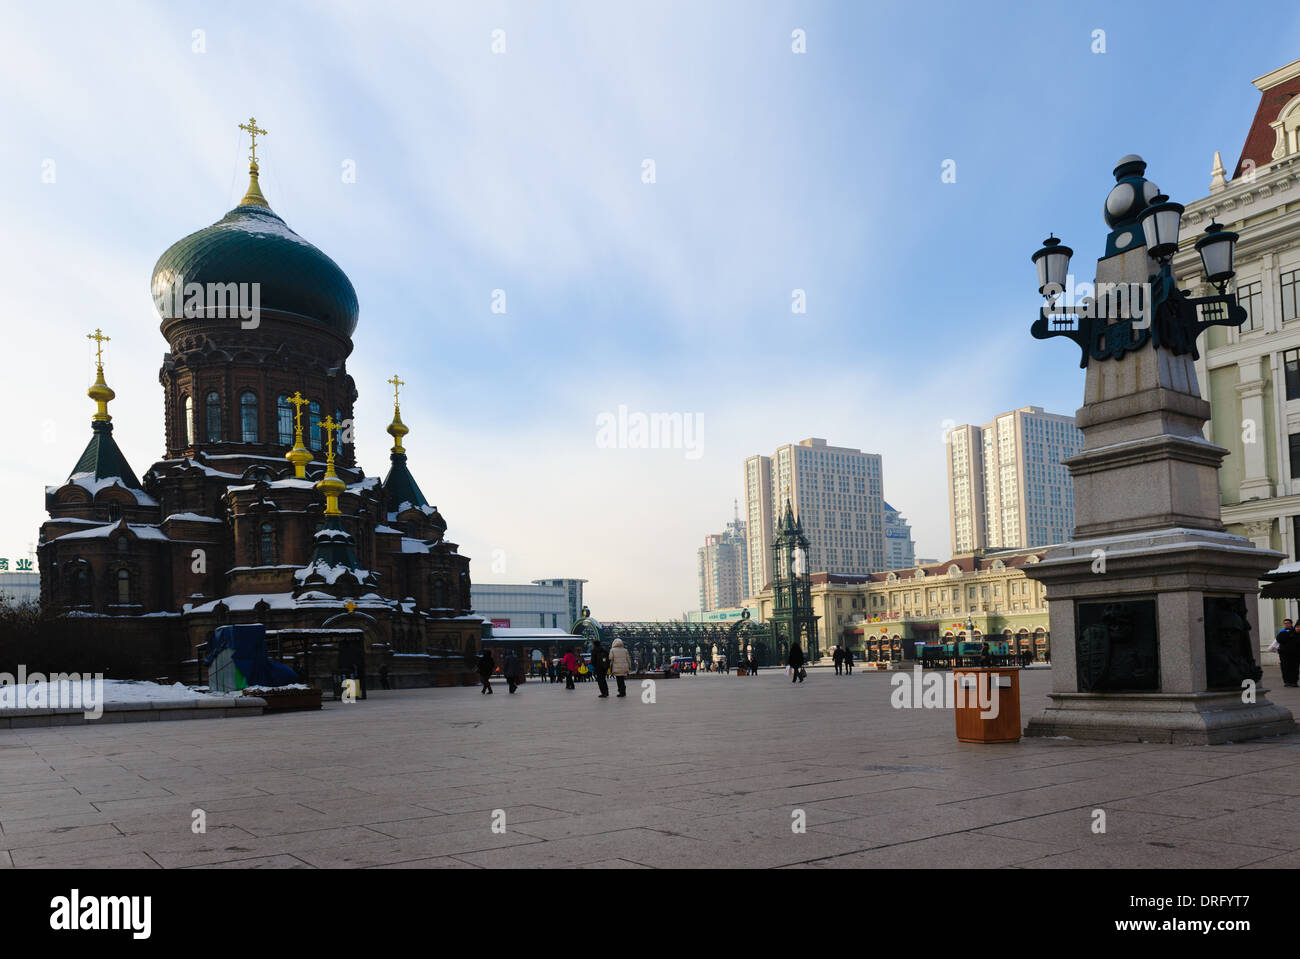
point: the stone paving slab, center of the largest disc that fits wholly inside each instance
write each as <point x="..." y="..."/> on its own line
<point x="710" y="775"/>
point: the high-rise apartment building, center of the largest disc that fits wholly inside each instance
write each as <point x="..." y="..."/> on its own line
<point x="760" y="520"/>
<point x="723" y="564"/>
<point x="837" y="493"/>
<point x="900" y="550"/>
<point x="1007" y="488"/>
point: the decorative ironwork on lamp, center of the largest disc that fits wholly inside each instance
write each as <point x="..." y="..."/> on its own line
<point x="1159" y="312"/>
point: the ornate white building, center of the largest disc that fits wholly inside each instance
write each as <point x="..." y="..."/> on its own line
<point x="1251" y="375"/>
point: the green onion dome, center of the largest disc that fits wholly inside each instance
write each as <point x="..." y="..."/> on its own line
<point x="251" y="244"/>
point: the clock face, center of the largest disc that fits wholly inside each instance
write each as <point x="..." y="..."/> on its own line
<point x="1124" y="240"/>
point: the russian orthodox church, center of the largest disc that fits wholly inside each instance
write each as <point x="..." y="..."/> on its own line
<point x="258" y="511"/>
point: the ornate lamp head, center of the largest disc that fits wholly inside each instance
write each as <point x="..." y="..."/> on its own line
<point x="1053" y="262"/>
<point x="1160" y="227"/>
<point x="1216" y="249"/>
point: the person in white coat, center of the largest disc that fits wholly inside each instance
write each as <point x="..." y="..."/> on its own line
<point x="620" y="664"/>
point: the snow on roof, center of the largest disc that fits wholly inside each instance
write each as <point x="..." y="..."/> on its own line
<point x="329" y="573"/>
<point x="192" y="518"/>
<point x="90" y="484"/>
<point x="187" y="463"/>
<point x="370" y="482"/>
<point x="99" y="532"/>
<point x="245" y="602"/>
<point x="403" y="506"/>
<point x="261" y="226"/>
<point x="523" y="632"/>
<point x="387" y="529"/>
<point x="410" y="545"/>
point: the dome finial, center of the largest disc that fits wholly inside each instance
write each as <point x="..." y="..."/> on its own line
<point x="299" y="456"/>
<point x="99" y="390"/>
<point x="397" y="429"/>
<point x="330" y="484"/>
<point x="253" y="197"/>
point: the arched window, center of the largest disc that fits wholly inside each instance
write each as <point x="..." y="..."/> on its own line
<point x="248" y="416"/>
<point x="123" y="588"/>
<point x="338" y="437"/>
<point x="266" y="545"/>
<point x="81" y="585"/>
<point x="189" y="421"/>
<point x="313" y="423"/>
<point x="213" y="404"/>
<point x="284" y="417"/>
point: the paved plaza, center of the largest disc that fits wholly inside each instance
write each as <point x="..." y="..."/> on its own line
<point x="709" y="775"/>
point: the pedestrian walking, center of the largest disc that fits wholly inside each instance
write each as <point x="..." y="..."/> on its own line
<point x="1288" y="653"/>
<point x="795" y="662"/>
<point x="486" y="664"/>
<point x="570" y="665"/>
<point x="848" y="661"/>
<point x="600" y="666"/>
<point x="620" y="664"/>
<point x="511" y="670"/>
<point x="838" y="659"/>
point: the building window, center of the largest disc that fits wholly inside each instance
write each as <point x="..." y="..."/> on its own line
<point x="248" y="416"/>
<point x="284" y="417"/>
<point x="81" y="586"/>
<point x="189" y="421"/>
<point x="1251" y="298"/>
<point x="313" y="423"/>
<point x="1295" y="455"/>
<point x="1290" y="282"/>
<point x="123" y="588"/>
<point x="1291" y="373"/>
<point x="266" y="545"/>
<point x="213" y="404"/>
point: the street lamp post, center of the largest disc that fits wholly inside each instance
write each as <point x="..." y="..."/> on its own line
<point x="1154" y="601"/>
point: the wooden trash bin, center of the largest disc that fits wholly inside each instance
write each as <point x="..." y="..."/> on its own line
<point x="999" y="687"/>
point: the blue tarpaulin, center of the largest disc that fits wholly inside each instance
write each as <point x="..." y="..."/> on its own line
<point x="247" y="645"/>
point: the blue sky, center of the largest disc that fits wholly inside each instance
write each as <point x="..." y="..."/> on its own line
<point x="522" y="172"/>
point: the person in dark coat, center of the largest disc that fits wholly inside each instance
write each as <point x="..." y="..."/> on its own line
<point x="1288" y="653"/>
<point x="511" y="670"/>
<point x="838" y="659"/>
<point x="486" y="664"/>
<point x="848" y="661"/>
<point x="599" y="667"/>
<point x="795" y="662"/>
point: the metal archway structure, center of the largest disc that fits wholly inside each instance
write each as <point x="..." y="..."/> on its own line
<point x="658" y="641"/>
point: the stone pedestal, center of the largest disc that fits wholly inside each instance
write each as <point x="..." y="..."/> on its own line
<point x="1153" y="605"/>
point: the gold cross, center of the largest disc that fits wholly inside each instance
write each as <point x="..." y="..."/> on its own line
<point x="298" y="403"/>
<point x="252" y="130"/>
<point x="100" y="339"/>
<point x="396" y="383"/>
<point x="329" y="426"/>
